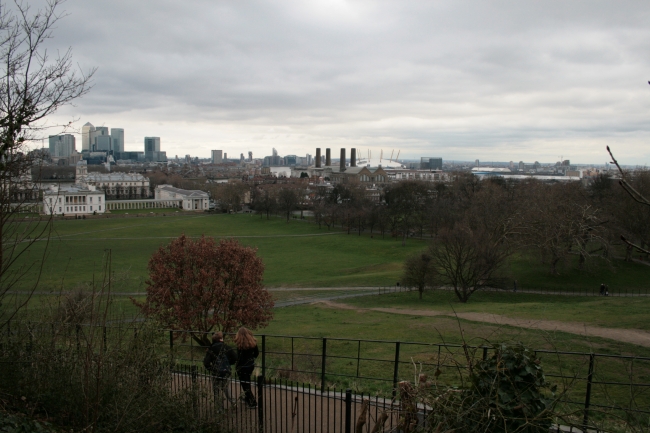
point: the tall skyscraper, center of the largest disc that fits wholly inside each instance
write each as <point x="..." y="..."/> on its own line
<point x="86" y="130"/>
<point x="62" y="145"/>
<point x="152" y="150"/>
<point x="117" y="140"/>
<point x="99" y="131"/>
<point x="217" y="157"/>
<point x="102" y="143"/>
<point x="152" y="144"/>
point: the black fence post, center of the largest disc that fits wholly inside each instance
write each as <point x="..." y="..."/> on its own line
<point x="348" y="410"/>
<point x="263" y="355"/>
<point x="194" y="373"/>
<point x="171" y="342"/>
<point x="260" y="403"/>
<point x="396" y="369"/>
<point x="322" y="365"/>
<point x="590" y="375"/>
<point x="485" y="349"/>
<point x="358" y="357"/>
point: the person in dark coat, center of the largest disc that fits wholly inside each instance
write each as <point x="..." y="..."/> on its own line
<point x="247" y="352"/>
<point x="218" y="359"/>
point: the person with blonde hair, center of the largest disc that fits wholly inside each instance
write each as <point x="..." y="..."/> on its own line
<point x="246" y="353"/>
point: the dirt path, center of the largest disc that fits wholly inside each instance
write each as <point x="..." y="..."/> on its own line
<point x="633" y="336"/>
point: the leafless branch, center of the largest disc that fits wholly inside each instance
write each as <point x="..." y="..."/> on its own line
<point x="636" y="196"/>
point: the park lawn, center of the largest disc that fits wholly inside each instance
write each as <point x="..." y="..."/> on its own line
<point x="611" y="312"/>
<point x="295" y="254"/>
<point x="43" y="306"/>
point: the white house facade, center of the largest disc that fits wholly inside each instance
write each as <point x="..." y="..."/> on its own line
<point x="193" y="200"/>
<point x="77" y="199"/>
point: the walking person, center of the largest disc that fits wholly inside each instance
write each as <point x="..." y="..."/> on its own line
<point x="218" y="359"/>
<point x="602" y="289"/>
<point x="247" y="351"/>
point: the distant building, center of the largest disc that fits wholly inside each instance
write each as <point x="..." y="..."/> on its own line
<point x="117" y="186"/>
<point x="217" y="156"/>
<point x="117" y="141"/>
<point x="151" y="144"/>
<point x="77" y="199"/>
<point x="102" y="144"/>
<point x="98" y="139"/>
<point x="133" y="156"/>
<point x="152" y="150"/>
<point x="62" y="145"/>
<point x="86" y="130"/>
<point x="429" y="163"/>
<point x="192" y="199"/>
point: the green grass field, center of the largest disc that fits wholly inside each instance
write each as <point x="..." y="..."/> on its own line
<point x="297" y="254"/>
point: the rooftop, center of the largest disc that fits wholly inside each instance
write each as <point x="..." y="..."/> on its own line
<point x="194" y="193"/>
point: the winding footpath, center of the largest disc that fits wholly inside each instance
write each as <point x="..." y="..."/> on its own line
<point x="633" y="336"/>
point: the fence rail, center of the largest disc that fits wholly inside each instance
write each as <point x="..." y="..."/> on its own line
<point x="288" y="406"/>
<point x="595" y="382"/>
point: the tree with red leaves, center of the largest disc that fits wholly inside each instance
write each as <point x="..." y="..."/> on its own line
<point x="201" y="286"/>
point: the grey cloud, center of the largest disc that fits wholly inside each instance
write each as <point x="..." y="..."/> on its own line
<point x="448" y="75"/>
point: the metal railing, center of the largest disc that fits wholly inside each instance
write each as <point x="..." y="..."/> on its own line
<point x="282" y="405"/>
<point x="596" y="384"/>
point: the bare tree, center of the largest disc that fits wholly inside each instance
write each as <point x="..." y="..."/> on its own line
<point x="405" y="201"/>
<point x="636" y="195"/>
<point x="229" y="195"/>
<point x="560" y="221"/>
<point x="33" y="85"/>
<point x="287" y="201"/>
<point x="467" y="260"/>
<point x="419" y="272"/>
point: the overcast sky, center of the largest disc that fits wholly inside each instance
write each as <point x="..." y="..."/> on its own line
<point x="497" y="80"/>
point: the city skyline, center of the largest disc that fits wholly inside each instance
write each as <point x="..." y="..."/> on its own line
<point x="466" y="81"/>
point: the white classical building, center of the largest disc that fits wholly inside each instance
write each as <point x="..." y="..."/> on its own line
<point x="114" y="185"/>
<point x="192" y="199"/>
<point x="76" y="199"/>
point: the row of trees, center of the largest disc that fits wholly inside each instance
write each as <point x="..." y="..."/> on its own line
<point x="476" y="226"/>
